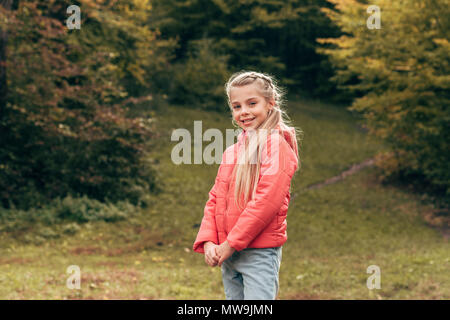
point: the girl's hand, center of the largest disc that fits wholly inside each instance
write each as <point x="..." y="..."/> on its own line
<point x="211" y="257"/>
<point x="224" y="251"/>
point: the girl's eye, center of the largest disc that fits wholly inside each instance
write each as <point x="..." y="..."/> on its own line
<point x="251" y="103"/>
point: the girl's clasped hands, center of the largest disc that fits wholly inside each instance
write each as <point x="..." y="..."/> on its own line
<point x="215" y="254"/>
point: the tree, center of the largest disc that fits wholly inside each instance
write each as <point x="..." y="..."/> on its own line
<point x="401" y="74"/>
<point x="6" y="5"/>
<point x="65" y="128"/>
<point x="273" y="36"/>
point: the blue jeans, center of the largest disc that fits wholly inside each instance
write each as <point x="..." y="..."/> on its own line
<point x="252" y="274"/>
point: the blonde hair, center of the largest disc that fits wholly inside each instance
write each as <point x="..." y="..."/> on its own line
<point x="247" y="169"/>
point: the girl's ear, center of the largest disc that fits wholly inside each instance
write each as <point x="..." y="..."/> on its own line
<point x="271" y="104"/>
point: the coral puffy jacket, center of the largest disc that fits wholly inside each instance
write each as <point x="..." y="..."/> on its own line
<point x="262" y="222"/>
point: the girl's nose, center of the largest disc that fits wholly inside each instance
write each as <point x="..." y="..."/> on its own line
<point x="244" y="110"/>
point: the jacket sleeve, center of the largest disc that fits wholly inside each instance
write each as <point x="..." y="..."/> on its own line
<point x="208" y="229"/>
<point x="277" y="170"/>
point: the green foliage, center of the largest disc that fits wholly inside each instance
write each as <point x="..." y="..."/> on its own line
<point x="124" y="29"/>
<point x="62" y="215"/>
<point x="275" y="36"/>
<point x="64" y="127"/>
<point x="85" y="209"/>
<point x="199" y="81"/>
<point x="401" y="74"/>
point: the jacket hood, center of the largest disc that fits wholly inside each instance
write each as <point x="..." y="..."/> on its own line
<point x="288" y="133"/>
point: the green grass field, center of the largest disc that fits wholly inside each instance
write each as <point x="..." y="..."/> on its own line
<point x="334" y="233"/>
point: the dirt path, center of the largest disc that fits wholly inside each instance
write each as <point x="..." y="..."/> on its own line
<point x="352" y="170"/>
<point x="445" y="229"/>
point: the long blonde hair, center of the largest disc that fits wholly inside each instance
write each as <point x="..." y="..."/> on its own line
<point x="247" y="169"/>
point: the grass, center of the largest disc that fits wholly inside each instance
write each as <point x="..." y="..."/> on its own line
<point x="334" y="233"/>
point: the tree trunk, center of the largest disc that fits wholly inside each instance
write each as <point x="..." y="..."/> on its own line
<point x="3" y="42"/>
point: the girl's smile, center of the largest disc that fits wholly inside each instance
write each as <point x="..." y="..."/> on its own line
<point x="247" y="122"/>
<point x="250" y="108"/>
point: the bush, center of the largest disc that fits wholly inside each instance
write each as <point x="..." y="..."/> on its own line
<point x="199" y="81"/>
<point x="60" y="210"/>
<point x="63" y="122"/>
<point x="84" y="210"/>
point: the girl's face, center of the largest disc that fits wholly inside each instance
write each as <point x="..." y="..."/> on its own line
<point x="250" y="108"/>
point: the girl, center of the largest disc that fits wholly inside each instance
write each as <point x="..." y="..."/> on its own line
<point x="244" y="223"/>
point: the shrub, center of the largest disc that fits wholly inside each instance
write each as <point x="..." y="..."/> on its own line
<point x="63" y="118"/>
<point x="199" y="80"/>
<point x="69" y="209"/>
